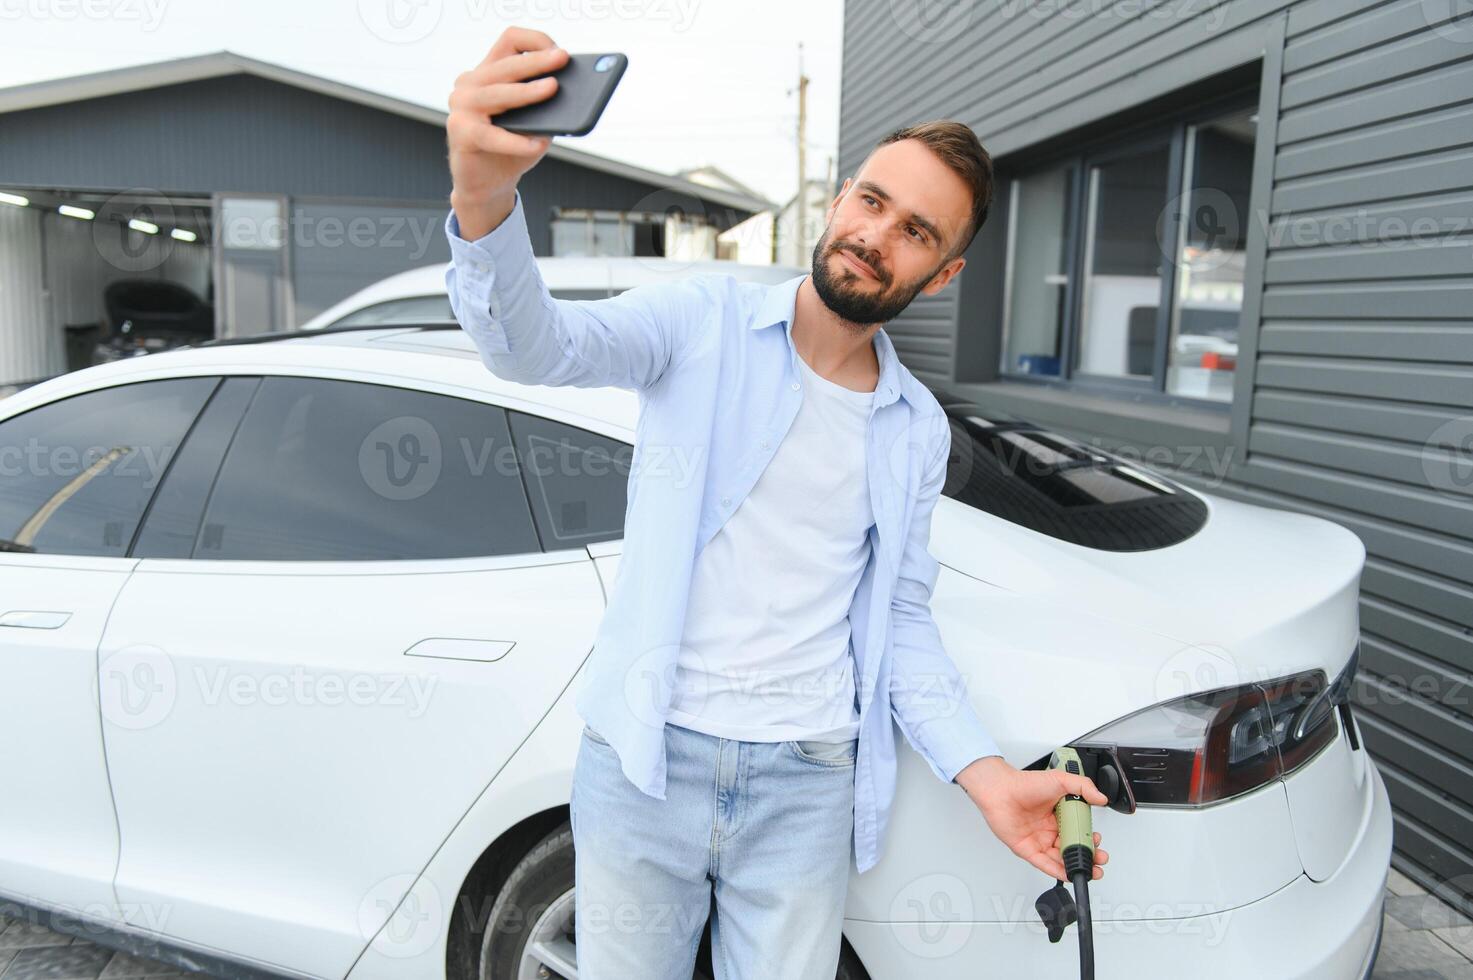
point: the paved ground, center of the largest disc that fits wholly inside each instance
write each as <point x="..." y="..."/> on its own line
<point x="1424" y="940"/>
<point x="30" y="951"/>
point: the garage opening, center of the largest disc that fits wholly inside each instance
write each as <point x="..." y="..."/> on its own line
<point x="94" y="276"/>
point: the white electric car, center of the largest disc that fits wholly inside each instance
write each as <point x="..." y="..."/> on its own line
<point x="290" y="631"/>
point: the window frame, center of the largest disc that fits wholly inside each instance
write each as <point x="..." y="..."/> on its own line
<point x="1175" y="130"/>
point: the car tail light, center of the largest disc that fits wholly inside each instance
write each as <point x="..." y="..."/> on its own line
<point x="1212" y="746"/>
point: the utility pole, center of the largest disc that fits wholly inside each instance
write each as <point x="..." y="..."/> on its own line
<point x="802" y="200"/>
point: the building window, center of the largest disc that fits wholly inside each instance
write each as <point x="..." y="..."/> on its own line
<point x="1037" y="271"/>
<point x="1211" y="243"/>
<point x="1122" y="265"/>
<point x="1125" y="263"/>
<point x="583" y="232"/>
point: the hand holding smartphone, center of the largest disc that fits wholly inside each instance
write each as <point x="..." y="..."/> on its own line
<point x="584" y="87"/>
<point x="524" y="75"/>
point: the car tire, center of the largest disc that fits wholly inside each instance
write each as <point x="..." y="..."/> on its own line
<point x="533" y="914"/>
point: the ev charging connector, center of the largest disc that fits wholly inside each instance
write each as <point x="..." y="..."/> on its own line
<point x="1101" y="764"/>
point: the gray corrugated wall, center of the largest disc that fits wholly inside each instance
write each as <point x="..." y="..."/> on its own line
<point x="1365" y="366"/>
<point x="235" y="133"/>
<point x="927" y="339"/>
<point x="1361" y="407"/>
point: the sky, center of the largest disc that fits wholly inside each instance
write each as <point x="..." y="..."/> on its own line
<point x="710" y="82"/>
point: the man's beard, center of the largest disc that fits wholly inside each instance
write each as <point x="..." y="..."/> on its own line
<point x="855" y="299"/>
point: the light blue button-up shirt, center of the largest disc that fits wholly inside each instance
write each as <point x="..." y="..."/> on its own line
<point x="717" y="391"/>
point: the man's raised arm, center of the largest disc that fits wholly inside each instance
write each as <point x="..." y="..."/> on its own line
<point x="524" y="335"/>
<point x="496" y="292"/>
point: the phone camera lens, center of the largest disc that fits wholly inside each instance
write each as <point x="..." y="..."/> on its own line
<point x="604" y="63"/>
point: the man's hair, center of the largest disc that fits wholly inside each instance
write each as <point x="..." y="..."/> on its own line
<point x="958" y="148"/>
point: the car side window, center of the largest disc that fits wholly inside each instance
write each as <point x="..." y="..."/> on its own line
<point x="330" y="470"/>
<point x="76" y="474"/>
<point x="578" y="481"/>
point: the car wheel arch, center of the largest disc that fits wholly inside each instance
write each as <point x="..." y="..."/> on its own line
<point x="483" y="882"/>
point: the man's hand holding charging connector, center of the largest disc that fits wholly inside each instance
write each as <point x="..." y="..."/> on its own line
<point x="1018" y="805"/>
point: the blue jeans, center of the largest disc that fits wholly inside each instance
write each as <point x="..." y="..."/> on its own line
<point x="768" y="825"/>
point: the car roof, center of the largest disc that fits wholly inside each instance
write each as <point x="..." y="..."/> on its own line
<point x="613" y="273"/>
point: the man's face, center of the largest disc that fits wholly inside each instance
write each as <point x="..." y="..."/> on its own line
<point x="889" y="232"/>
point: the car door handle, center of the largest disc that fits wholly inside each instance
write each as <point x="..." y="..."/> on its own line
<point x="35" y="619"/>
<point x="447" y="648"/>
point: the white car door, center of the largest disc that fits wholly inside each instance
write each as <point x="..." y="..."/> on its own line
<point x="354" y="632"/>
<point x="77" y="475"/>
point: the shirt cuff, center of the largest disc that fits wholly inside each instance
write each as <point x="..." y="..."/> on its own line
<point x="481" y="271"/>
<point x="495" y="243"/>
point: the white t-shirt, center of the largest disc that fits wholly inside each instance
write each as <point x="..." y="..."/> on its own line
<point x="764" y="653"/>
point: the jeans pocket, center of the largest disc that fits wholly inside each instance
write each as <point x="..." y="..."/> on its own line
<point x="833" y="754"/>
<point x="593" y="736"/>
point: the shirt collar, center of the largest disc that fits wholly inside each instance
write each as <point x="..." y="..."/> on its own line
<point x="777" y="308"/>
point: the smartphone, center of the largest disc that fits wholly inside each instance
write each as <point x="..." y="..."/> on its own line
<point x="584" y="86"/>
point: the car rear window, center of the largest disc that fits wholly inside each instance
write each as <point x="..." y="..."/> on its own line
<point x="1061" y="487"/>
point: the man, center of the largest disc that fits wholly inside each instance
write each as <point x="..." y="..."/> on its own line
<point x="733" y="742"/>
